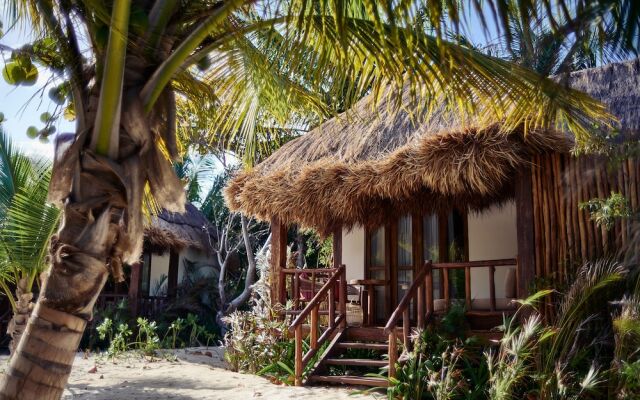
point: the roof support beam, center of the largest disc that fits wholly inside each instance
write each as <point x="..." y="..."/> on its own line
<point x="526" y="242"/>
<point x="278" y="260"/>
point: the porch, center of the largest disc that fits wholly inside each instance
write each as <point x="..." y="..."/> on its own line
<point x="321" y="316"/>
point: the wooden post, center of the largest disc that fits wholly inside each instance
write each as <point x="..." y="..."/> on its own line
<point x="429" y="284"/>
<point x="492" y="287"/>
<point x="406" y="326"/>
<point x="337" y="247"/>
<point x="420" y="306"/>
<point x="278" y="260"/>
<point x="445" y="275"/>
<point x="332" y="306"/>
<point x="467" y="288"/>
<point x="343" y="297"/>
<point x="134" y="288"/>
<point x="393" y="353"/>
<point x="314" y="328"/>
<point x="298" y="356"/>
<point x="525" y="226"/>
<point x="172" y="276"/>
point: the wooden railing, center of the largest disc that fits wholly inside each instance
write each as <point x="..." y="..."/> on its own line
<point x="146" y="306"/>
<point x="326" y="294"/>
<point x="299" y="286"/>
<point x="467" y="266"/>
<point x="415" y="292"/>
<point x="422" y="293"/>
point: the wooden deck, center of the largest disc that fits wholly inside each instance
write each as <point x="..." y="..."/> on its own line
<point x="415" y="310"/>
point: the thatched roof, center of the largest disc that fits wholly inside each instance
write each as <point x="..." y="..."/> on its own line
<point x="169" y="230"/>
<point x="363" y="167"/>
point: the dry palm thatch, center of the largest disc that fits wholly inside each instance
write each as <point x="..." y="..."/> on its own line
<point x="169" y="230"/>
<point x="368" y="165"/>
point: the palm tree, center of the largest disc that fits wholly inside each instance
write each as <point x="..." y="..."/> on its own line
<point x="27" y="222"/>
<point x="262" y="64"/>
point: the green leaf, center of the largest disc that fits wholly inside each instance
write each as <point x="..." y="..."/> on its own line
<point x="45" y="117"/>
<point x="2" y="117"/>
<point x="31" y="75"/>
<point x="13" y="73"/>
<point x="33" y="132"/>
<point x="57" y="95"/>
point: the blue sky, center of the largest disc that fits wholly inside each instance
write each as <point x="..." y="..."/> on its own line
<point x="23" y="105"/>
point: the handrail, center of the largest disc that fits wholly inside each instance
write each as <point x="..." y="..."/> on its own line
<point x="505" y="262"/>
<point x="328" y="293"/>
<point x="405" y="302"/>
<point x="317" y="299"/>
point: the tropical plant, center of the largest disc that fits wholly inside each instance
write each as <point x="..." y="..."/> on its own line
<point x="26" y="224"/>
<point x="268" y="67"/>
<point x="562" y="359"/>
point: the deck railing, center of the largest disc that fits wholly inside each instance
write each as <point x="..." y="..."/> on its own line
<point x="421" y="292"/>
<point x="299" y="286"/>
<point x="335" y="288"/>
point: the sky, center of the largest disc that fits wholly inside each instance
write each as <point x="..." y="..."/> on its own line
<point x="23" y="105"/>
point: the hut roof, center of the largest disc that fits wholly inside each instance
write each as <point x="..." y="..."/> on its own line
<point x="363" y="167"/>
<point x="169" y="230"/>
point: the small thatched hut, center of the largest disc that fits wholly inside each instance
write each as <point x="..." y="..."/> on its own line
<point x="396" y="191"/>
<point x="170" y="239"/>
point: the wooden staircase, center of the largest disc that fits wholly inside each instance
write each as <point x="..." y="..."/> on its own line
<point x="381" y="343"/>
<point x="371" y="340"/>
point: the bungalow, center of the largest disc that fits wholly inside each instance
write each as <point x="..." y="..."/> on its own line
<point x="173" y="243"/>
<point x="425" y="213"/>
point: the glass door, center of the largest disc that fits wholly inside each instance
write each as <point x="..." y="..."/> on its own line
<point x="403" y="247"/>
<point x="377" y="270"/>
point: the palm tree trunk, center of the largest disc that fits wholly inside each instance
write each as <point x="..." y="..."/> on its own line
<point x="102" y="228"/>
<point x="18" y="323"/>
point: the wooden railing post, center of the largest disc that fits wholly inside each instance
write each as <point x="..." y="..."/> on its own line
<point x="298" y="356"/>
<point x="314" y="328"/>
<point x="296" y="291"/>
<point x="332" y="306"/>
<point x="420" y="306"/>
<point x="343" y="297"/>
<point x="467" y="287"/>
<point x="445" y="275"/>
<point x="393" y="353"/>
<point x="406" y="322"/>
<point x="429" y="283"/>
<point x="492" y="287"/>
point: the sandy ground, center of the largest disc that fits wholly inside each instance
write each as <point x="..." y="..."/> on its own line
<point x="191" y="374"/>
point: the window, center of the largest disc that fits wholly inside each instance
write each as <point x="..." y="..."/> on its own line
<point x="146" y="274"/>
<point x="431" y="247"/>
<point x="377" y="268"/>
<point x="404" y="251"/>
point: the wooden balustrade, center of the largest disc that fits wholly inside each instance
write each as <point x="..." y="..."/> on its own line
<point x="421" y="293"/>
<point x="325" y="294"/>
<point x="301" y="285"/>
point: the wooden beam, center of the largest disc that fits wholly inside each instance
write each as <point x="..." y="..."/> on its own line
<point x="525" y="226"/>
<point x="172" y="276"/>
<point x="278" y="260"/>
<point x="337" y="247"/>
<point x="134" y="287"/>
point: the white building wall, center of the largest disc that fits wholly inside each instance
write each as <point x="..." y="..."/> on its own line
<point x="206" y="263"/>
<point x="492" y="235"/>
<point x="159" y="267"/>
<point x="353" y="252"/>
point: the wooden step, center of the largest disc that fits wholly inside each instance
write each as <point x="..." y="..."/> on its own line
<point x="356" y="362"/>
<point x="349" y="380"/>
<point x="367" y="334"/>
<point x="363" y="346"/>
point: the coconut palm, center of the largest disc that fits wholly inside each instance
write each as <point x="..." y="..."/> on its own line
<point x="263" y="66"/>
<point x="26" y="222"/>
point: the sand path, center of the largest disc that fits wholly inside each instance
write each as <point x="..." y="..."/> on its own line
<point x="191" y="375"/>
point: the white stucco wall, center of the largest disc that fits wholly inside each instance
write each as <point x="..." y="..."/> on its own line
<point x="492" y="235"/>
<point x="206" y="263"/>
<point x="353" y="252"/>
<point x="159" y="267"/>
